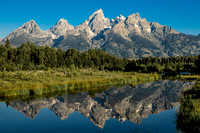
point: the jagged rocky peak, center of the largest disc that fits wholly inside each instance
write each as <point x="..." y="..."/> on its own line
<point x="31" y="27"/>
<point x="61" y="21"/>
<point x="152" y="31"/>
<point x="117" y="20"/>
<point x="156" y="27"/>
<point x="60" y="28"/>
<point x="120" y="17"/>
<point x="98" y="12"/>
<point x="97" y="22"/>
<point x="134" y="17"/>
<point x="29" y="23"/>
<point x="134" y="23"/>
<point x="30" y="31"/>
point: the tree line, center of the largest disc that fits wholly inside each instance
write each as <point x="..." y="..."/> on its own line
<point x="170" y="65"/>
<point x="31" y="57"/>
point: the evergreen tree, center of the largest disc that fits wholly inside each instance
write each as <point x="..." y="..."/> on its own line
<point x="3" y="52"/>
<point x="7" y="43"/>
<point x="60" y="58"/>
<point x="197" y="63"/>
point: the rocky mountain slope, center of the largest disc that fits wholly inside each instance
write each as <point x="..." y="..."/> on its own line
<point x="60" y="28"/>
<point x="130" y="37"/>
<point x="30" y="31"/>
<point x="123" y="103"/>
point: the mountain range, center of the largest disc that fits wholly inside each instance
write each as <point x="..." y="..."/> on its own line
<point x="129" y="37"/>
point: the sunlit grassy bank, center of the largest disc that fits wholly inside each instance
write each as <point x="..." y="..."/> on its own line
<point x="182" y="77"/>
<point x="40" y="82"/>
<point x="189" y="77"/>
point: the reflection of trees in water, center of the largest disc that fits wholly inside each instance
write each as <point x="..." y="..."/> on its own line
<point x="189" y="113"/>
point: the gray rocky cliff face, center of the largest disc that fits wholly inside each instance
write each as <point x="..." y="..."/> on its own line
<point x="81" y="36"/>
<point x="30" y="31"/>
<point x="123" y="103"/>
<point x="117" y="20"/>
<point x="61" y="27"/>
<point x="30" y="28"/>
<point x="78" y="38"/>
<point x="97" y="22"/>
<point x="131" y="37"/>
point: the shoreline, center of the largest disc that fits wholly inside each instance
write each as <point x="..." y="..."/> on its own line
<point x="40" y="82"/>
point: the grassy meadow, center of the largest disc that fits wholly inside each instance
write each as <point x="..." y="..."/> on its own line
<point x="51" y="80"/>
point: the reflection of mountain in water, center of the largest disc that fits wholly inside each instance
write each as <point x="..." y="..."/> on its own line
<point x="132" y="103"/>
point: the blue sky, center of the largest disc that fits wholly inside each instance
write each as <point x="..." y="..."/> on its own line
<point x="182" y="15"/>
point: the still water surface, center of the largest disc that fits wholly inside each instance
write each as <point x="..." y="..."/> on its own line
<point x="150" y="107"/>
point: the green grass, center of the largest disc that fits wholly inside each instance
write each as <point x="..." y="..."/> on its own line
<point x="189" y="112"/>
<point x="189" y="77"/>
<point x="42" y="82"/>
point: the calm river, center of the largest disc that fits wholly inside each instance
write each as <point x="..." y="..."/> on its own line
<point x="150" y="107"/>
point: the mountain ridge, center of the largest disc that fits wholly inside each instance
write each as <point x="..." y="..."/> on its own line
<point x="130" y="37"/>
